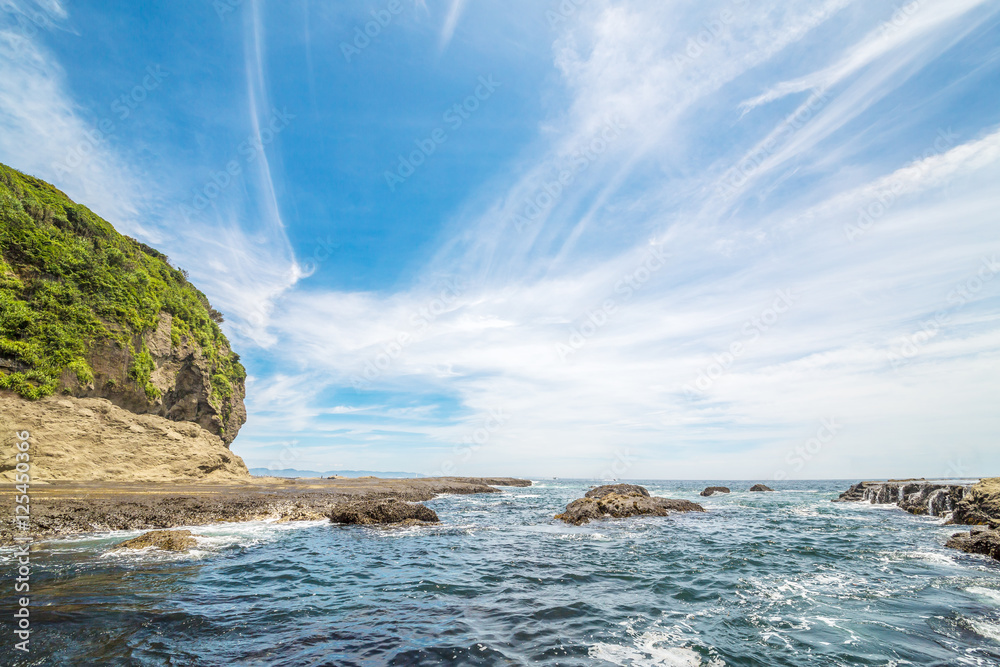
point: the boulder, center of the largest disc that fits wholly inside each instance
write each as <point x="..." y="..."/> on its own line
<point x="760" y="487"/>
<point x="715" y="489"/>
<point x="618" y="506"/>
<point x="985" y="542"/>
<point x="381" y="512"/>
<point x="620" y="489"/>
<point x="168" y="540"/>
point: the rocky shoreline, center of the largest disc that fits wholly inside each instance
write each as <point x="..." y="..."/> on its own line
<point x="61" y="509"/>
<point x="913" y="495"/>
<point x="961" y="503"/>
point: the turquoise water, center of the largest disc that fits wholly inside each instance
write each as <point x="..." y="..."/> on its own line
<point x="760" y="579"/>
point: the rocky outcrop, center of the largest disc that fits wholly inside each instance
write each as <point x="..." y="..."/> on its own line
<point x="980" y="505"/>
<point x="980" y="540"/>
<point x="181" y="373"/>
<point x="963" y="504"/>
<point x="168" y="540"/>
<point x="620" y="489"/>
<point x="381" y="512"/>
<point x="605" y="503"/>
<point x="91" y="313"/>
<point x="93" y="440"/>
<point x="914" y="496"/>
<point x="760" y="488"/>
<point x="715" y="489"/>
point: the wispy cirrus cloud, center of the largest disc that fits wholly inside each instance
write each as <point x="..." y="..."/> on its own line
<point x="451" y="22"/>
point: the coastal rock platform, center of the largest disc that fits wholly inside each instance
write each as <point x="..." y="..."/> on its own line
<point x="67" y="508"/>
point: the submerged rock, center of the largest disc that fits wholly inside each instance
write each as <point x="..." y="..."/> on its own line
<point x="168" y="540"/>
<point x="381" y="512"/>
<point x="621" y="489"/>
<point x="760" y="487"/>
<point x="619" y="506"/>
<point x="715" y="489"/>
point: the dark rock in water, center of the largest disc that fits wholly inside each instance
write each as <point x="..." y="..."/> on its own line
<point x="914" y="496"/>
<point x="715" y="489"/>
<point x="620" y="489"/>
<point x="760" y="487"/>
<point x="383" y="511"/>
<point x="617" y="506"/>
<point x="985" y="542"/>
<point x="168" y="540"/>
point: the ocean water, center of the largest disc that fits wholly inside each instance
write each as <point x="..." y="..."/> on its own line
<point x="787" y="578"/>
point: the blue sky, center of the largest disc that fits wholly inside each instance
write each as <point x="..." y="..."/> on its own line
<point x="647" y="238"/>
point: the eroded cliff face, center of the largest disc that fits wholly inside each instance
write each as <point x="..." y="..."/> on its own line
<point x="94" y="440"/>
<point x="182" y="375"/>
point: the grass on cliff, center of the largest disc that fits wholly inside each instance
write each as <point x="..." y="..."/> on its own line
<point x="68" y="281"/>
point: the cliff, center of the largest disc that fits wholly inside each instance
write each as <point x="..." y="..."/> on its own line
<point x="86" y="312"/>
<point x="93" y="440"/>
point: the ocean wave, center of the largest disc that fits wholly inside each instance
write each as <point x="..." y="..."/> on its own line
<point x="991" y="594"/>
<point x="983" y="628"/>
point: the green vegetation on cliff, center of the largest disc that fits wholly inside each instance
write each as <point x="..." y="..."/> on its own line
<point x="69" y="281"/>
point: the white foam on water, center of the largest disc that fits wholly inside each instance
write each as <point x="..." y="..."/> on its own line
<point x="211" y="539"/>
<point x="250" y="533"/>
<point x="580" y="536"/>
<point x="802" y="510"/>
<point x="987" y="629"/>
<point x="929" y="556"/>
<point x="648" y="651"/>
<point x="989" y="593"/>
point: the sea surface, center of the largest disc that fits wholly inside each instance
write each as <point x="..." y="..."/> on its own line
<point x="785" y="578"/>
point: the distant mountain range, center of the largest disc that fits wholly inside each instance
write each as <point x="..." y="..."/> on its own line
<point x="291" y="472"/>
